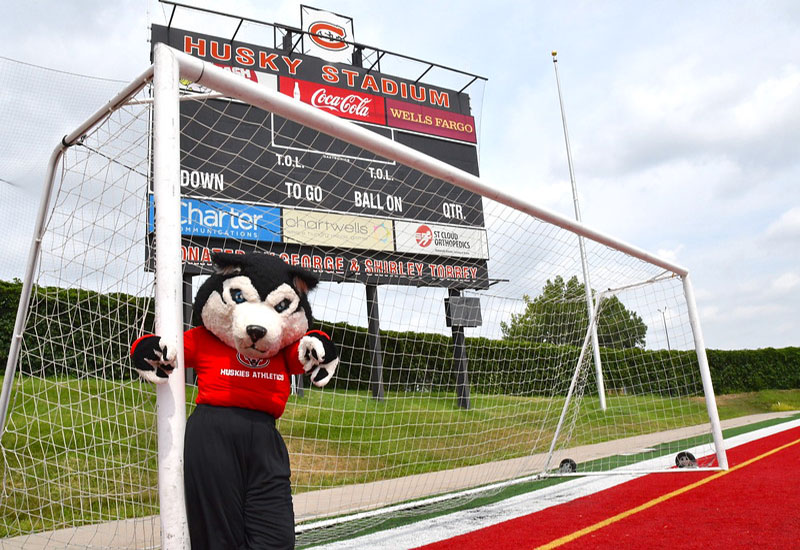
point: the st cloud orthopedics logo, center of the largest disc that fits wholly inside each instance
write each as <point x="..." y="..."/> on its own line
<point x="230" y="220"/>
<point x="425" y="236"/>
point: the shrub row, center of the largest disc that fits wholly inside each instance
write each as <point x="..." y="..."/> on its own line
<point x="410" y="361"/>
<point x="74" y="331"/>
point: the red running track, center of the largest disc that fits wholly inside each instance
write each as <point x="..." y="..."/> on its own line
<point x="753" y="505"/>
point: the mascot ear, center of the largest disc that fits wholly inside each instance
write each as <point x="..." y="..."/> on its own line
<point x="303" y="281"/>
<point x="227" y="263"/>
<point x="224" y="264"/>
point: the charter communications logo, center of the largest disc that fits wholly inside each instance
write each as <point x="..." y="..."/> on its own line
<point x="337" y="230"/>
<point x="205" y="218"/>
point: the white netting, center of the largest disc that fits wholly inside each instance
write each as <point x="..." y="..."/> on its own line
<point x="79" y="445"/>
<point x="417" y="410"/>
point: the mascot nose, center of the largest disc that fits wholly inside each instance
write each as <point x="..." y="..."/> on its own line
<point x="256" y="332"/>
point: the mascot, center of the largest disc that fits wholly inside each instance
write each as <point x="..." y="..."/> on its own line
<point x="252" y="332"/>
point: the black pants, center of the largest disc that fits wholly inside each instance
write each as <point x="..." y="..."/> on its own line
<point x="236" y="468"/>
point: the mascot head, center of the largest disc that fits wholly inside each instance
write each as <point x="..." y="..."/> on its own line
<point x="255" y="303"/>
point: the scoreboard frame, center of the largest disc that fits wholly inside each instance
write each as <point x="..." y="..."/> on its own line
<point x="430" y="119"/>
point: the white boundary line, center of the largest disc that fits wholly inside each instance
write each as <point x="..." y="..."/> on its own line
<point x="459" y="523"/>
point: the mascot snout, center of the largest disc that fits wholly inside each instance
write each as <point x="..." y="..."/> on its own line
<point x="256" y="332"/>
<point x="257" y="329"/>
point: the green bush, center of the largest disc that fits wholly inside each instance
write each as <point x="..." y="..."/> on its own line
<point x="411" y="361"/>
<point x="9" y="298"/>
<point x="737" y="371"/>
<point x="74" y="330"/>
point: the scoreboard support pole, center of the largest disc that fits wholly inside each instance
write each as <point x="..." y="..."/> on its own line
<point x="374" y="338"/>
<point x="460" y="361"/>
<point x="297" y="387"/>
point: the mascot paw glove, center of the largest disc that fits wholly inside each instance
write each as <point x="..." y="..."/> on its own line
<point x="319" y="357"/>
<point x="153" y="359"/>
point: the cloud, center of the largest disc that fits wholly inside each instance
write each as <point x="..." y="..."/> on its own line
<point x="697" y="92"/>
<point x="37" y="108"/>
<point x="671" y="255"/>
<point x="770" y="104"/>
<point x="753" y="312"/>
<point x="786" y="227"/>
<point x="710" y="313"/>
<point x="786" y="283"/>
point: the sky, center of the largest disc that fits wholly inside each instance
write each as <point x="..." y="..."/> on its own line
<point x="684" y="121"/>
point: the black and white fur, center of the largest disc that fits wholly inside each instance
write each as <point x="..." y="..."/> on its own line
<point x="256" y="304"/>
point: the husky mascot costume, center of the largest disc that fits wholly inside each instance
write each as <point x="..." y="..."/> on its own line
<point x="252" y="332"/>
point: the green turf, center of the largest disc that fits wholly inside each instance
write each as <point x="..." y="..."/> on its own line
<point x="104" y="443"/>
<point x="425" y="512"/>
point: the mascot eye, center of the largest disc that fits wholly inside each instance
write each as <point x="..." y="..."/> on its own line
<point x="237" y="296"/>
<point x="283" y="305"/>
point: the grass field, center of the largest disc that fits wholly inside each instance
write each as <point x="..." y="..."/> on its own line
<point x="98" y="447"/>
<point x="418" y="434"/>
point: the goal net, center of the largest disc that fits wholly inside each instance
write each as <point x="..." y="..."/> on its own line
<point x="467" y="347"/>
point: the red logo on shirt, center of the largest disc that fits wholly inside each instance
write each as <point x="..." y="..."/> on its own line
<point x="252" y="363"/>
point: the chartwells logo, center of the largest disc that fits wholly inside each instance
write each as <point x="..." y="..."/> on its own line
<point x="202" y="180"/>
<point x="327" y="226"/>
<point x="337" y="230"/>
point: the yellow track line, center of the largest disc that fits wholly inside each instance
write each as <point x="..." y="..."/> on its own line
<point x="619" y="517"/>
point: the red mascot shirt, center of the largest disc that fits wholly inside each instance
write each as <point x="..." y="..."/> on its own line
<point x="226" y="378"/>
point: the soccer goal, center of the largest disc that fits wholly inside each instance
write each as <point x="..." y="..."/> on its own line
<point x="467" y="356"/>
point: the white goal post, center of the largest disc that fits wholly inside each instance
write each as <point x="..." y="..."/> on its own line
<point x="422" y="415"/>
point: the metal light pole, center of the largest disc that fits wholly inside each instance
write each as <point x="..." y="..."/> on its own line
<point x="601" y="390"/>
<point x="663" y="313"/>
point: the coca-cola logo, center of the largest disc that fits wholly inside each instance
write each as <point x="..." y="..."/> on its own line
<point x="352" y="104"/>
<point x="423" y="236"/>
<point x="337" y="101"/>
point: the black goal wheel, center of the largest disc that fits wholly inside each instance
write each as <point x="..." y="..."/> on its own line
<point x="567" y="466"/>
<point x="685" y="459"/>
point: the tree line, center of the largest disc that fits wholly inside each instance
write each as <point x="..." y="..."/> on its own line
<point x="559" y="316"/>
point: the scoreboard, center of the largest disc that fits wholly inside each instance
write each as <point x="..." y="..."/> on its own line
<point x="252" y="180"/>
